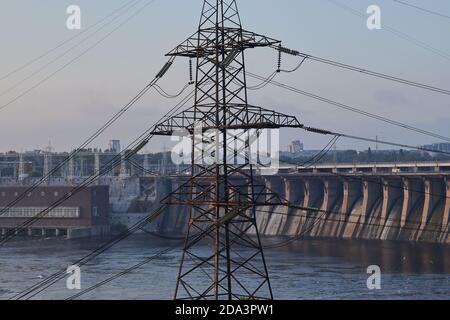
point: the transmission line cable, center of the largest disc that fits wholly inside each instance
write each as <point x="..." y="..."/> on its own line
<point x="163" y="93"/>
<point x="264" y="82"/>
<point x="323" y="218"/>
<point x="46" y="283"/>
<point x="435" y="13"/>
<point x="362" y="70"/>
<point x="122" y="273"/>
<point x="141" y="227"/>
<point x="90" y="139"/>
<point x="354" y="137"/>
<point x="63" y="54"/>
<point x="32" y="61"/>
<point x="85" y="143"/>
<point x="319" y="156"/>
<point x="350" y="108"/>
<point x="396" y="32"/>
<point x="51" y="75"/>
<point x="135" y="147"/>
<point x="137" y="266"/>
<point x="327" y="149"/>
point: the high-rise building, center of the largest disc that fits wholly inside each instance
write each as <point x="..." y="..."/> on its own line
<point x="296" y="147"/>
<point x="114" y="146"/>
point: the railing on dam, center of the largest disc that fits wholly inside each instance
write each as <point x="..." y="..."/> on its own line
<point x="387" y="168"/>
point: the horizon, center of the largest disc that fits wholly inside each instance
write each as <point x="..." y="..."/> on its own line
<point x="77" y="100"/>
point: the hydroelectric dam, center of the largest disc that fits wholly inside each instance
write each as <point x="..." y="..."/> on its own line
<point x="400" y="202"/>
<point x="382" y="201"/>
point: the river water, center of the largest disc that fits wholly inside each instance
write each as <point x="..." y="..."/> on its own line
<point x="307" y="269"/>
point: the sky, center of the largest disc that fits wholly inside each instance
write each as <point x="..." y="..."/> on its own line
<point x="75" y="102"/>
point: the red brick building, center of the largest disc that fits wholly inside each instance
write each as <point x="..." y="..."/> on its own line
<point x="84" y="213"/>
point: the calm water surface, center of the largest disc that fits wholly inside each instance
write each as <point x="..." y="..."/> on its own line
<point x="308" y="269"/>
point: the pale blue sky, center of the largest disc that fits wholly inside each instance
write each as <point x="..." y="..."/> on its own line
<point x="73" y="104"/>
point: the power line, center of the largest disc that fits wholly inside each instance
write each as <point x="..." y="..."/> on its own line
<point x="296" y="68"/>
<point x="123" y="273"/>
<point x="89" y="140"/>
<point x="350" y="108"/>
<point x="264" y="82"/>
<point x="310" y="129"/>
<point x="136" y="145"/>
<point x="311" y="162"/>
<point x="163" y="93"/>
<point x="135" y="267"/>
<point x="142" y="263"/>
<point x="323" y="217"/>
<point x="325" y="212"/>
<point x="48" y="282"/>
<point x="85" y="143"/>
<point x="353" y="137"/>
<point x="367" y="72"/>
<point x="376" y="74"/>
<point x="320" y="155"/>
<point x="314" y="130"/>
<point x="345" y="220"/>
<point x="69" y="50"/>
<point x="422" y="9"/>
<point x="30" y="62"/>
<point x="320" y="218"/>
<point x="38" y="84"/>
<point x="326" y="150"/>
<point x="57" y="276"/>
<point x="96" y="134"/>
<point x="401" y="145"/>
<point x="402" y="125"/>
<point x="272" y="246"/>
<point x="41" y="286"/>
<point x="396" y="32"/>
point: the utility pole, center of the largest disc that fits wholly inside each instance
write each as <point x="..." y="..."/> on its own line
<point x="221" y="259"/>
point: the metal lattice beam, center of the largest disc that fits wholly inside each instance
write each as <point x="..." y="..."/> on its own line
<point x="223" y="197"/>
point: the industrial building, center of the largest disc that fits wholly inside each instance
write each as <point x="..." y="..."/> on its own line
<point x="85" y="213"/>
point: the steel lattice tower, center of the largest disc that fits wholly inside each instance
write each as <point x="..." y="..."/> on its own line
<point x="223" y="196"/>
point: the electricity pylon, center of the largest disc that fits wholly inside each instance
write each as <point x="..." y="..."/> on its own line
<point x="222" y="257"/>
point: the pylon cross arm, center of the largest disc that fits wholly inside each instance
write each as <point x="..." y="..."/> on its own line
<point x="201" y="43"/>
<point x="251" y="117"/>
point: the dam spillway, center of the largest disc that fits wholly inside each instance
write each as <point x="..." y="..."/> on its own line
<point x="361" y="207"/>
<point x="391" y="201"/>
<point x="399" y="206"/>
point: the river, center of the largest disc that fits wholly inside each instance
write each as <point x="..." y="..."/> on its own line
<point x="307" y="269"/>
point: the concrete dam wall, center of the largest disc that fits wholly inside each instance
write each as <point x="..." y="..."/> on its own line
<point x="402" y="207"/>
